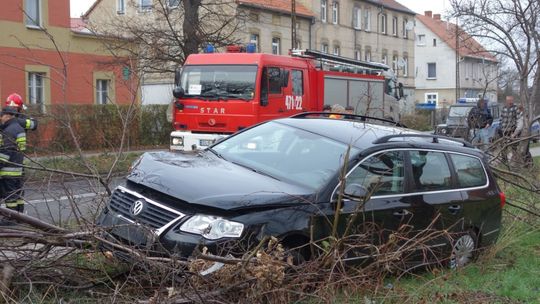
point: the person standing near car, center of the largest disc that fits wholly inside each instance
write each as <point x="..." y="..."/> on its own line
<point x="509" y="119"/>
<point x="479" y="120"/>
<point x="11" y="159"/>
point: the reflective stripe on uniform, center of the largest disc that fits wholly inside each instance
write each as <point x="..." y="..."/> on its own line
<point x="21" y="141"/>
<point x="28" y="124"/>
<point x="11" y="171"/>
<point x="14" y="204"/>
<point x="4" y="157"/>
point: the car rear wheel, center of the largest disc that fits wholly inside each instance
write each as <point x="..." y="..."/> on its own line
<point x="463" y="250"/>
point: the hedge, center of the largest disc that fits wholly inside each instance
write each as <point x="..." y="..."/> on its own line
<point x="98" y="128"/>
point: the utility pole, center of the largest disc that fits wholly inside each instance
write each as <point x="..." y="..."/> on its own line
<point x="293" y="24"/>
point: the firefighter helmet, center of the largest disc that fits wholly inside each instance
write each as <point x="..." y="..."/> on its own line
<point x="15" y="100"/>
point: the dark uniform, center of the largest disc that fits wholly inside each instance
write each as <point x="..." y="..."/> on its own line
<point x="11" y="159"/>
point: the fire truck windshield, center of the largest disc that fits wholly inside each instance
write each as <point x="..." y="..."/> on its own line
<point x="214" y="82"/>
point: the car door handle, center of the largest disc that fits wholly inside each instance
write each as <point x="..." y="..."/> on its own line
<point x="281" y="110"/>
<point x="454" y="209"/>
<point x="401" y="213"/>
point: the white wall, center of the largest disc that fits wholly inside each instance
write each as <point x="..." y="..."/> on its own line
<point x="157" y="93"/>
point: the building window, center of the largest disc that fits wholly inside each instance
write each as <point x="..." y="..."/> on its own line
<point x="145" y="5"/>
<point x="36" y="88"/>
<point x="357" y="54"/>
<point x="434" y="41"/>
<point x="336" y="50"/>
<point x="383" y="24"/>
<point x="254" y="38"/>
<point x="432" y="70"/>
<point x="324" y="10"/>
<point x="102" y="91"/>
<point x="121" y="7"/>
<point x="405" y="66"/>
<point x="367" y="20"/>
<point x="384" y="59"/>
<point x="298" y="44"/>
<point x="421" y="40"/>
<point x="335" y="12"/>
<point x="276" y="46"/>
<point x="357" y="18"/>
<point x="431" y="97"/>
<point x="33" y="13"/>
<point x="367" y="55"/>
<point x="395" y="63"/>
<point x="173" y="3"/>
<point x="404" y="28"/>
<point x="394" y="26"/>
<point x="324" y="48"/>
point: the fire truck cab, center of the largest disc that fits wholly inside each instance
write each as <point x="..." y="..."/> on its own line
<point x="218" y="94"/>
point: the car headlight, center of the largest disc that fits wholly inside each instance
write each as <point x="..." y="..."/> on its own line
<point x="212" y="227"/>
<point x="177" y="141"/>
<point x="443" y="131"/>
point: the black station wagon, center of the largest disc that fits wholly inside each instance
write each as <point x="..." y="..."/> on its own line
<point x="282" y="178"/>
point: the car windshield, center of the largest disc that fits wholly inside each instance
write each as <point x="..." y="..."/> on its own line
<point x="285" y="153"/>
<point x="213" y="82"/>
<point x="459" y="111"/>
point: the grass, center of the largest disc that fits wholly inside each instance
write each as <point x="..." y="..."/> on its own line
<point x="100" y="164"/>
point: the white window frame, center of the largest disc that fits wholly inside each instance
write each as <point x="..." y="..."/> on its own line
<point x="324" y="10"/>
<point x="394" y="62"/>
<point x="120" y="7"/>
<point x="254" y="38"/>
<point x="33" y="21"/>
<point x="384" y="59"/>
<point x="324" y="48"/>
<point x="427" y="98"/>
<point x="406" y="67"/>
<point x="383" y="24"/>
<point x="367" y="55"/>
<point x="145" y="8"/>
<point x="102" y="93"/>
<point x="367" y="20"/>
<point x="357" y="18"/>
<point x="395" y="26"/>
<point x="435" y="65"/>
<point x="337" y="50"/>
<point x="357" y="54"/>
<point x="335" y="12"/>
<point x="276" y="45"/>
<point x="421" y="40"/>
<point x="404" y="30"/>
<point x="36" y="93"/>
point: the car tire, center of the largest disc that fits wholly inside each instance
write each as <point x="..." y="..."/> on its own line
<point x="464" y="249"/>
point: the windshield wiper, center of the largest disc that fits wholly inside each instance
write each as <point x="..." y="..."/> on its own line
<point x="216" y="153"/>
<point x="254" y="170"/>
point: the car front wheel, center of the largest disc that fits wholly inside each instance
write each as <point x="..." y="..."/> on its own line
<point x="463" y="250"/>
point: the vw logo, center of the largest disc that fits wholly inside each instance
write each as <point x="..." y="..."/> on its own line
<point x="137" y="207"/>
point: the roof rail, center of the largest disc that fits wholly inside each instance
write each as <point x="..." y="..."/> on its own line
<point x="348" y="116"/>
<point x="339" y="59"/>
<point x="435" y="138"/>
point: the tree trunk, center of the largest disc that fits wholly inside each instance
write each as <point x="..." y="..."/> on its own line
<point x="191" y="27"/>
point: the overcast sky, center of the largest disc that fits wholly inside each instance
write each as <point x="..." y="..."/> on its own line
<point x="78" y="7"/>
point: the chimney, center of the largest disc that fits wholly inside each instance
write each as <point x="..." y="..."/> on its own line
<point x="437" y="16"/>
<point x="428" y="13"/>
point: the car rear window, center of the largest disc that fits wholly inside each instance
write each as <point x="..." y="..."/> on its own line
<point x="469" y="171"/>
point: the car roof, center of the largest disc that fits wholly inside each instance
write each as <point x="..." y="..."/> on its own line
<point x="365" y="135"/>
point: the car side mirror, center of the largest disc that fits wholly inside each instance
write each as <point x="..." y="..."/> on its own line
<point x="355" y="191"/>
<point x="178" y="92"/>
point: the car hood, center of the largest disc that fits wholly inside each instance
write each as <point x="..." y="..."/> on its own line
<point x="204" y="179"/>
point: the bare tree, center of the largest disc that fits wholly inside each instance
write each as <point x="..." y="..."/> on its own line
<point x="170" y="31"/>
<point x="510" y="29"/>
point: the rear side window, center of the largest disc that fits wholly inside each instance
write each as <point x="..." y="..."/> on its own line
<point x="381" y="174"/>
<point x="274" y="80"/>
<point x="430" y="171"/>
<point x="469" y="171"/>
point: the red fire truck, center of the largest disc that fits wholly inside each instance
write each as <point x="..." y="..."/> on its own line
<point x="218" y="94"/>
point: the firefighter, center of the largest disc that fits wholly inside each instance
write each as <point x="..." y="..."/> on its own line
<point x="11" y="160"/>
<point x="15" y="101"/>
